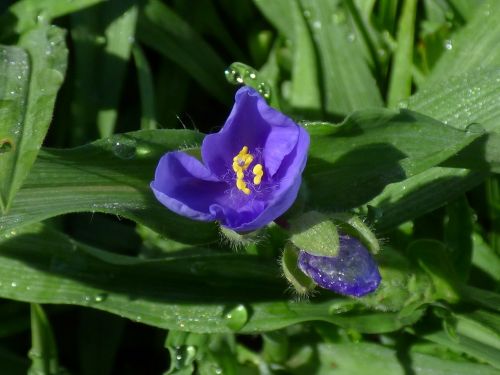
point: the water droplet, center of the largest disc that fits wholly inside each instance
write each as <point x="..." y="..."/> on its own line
<point x="86" y="300"/>
<point x="403" y="104"/>
<point x="317" y="24"/>
<point x="448" y="44"/>
<point x="307" y="13"/>
<point x="13" y="284"/>
<point x="236" y="317"/>
<point x="474" y="129"/>
<point x="233" y="77"/>
<point x="123" y="147"/>
<point x="265" y="90"/>
<point x="351" y="37"/>
<point x="101" y="297"/>
<point x="339" y="17"/>
<point x="184" y="356"/>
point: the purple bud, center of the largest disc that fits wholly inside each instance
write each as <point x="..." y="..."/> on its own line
<point x="352" y="272"/>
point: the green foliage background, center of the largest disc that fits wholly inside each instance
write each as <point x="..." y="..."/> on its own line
<point x="402" y="102"/>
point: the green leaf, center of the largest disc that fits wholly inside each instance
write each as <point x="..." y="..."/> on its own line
<point x="280" y="13"/>
<point x="485" y="258"/>
<point x="433" y="258"/>
<point x="43" y="351"/>
<point x="473" y="47"/>
<point x="26" y="14"/>
<point x="402" y="63"/>
<point x="345" y="75"/>
<point x="305" y="93"/>
<point x="365" y="358"/>
<point x="102" y="40"/>
<point x="119" y="34"/>
<point x="467" y="345"/>
<point x="146" y="88"/>
<point x="352" y="163"/>
<point x="163" y="30"/>
<point x="192" y="293"/>
<point x="460" y="101"/>
<point x="417" y="195"/>
<point x="110" y="176"/>
<point x="30" y="79"/>
<point x="481" y="297"/>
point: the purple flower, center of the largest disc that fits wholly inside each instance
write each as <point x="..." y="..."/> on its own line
<point x="351" y="272"/>
<point x="251" y="170"/>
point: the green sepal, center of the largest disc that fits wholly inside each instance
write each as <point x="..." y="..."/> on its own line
<point x="354" y="226"/>
<point x="237" y="240"/>
<point x="315" y="233"/>
<point x="298" y="279"/>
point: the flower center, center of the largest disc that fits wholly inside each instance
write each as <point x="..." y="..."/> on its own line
<point x="241" y="163"/>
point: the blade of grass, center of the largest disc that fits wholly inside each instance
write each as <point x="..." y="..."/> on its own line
<point x="402" y="62"/>
<point x="43" y="351"/>
<point x="145" y="78"/>
<point x="32" y="80"/>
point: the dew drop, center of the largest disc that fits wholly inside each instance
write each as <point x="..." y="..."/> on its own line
<point x="264" y="90"/>
<point x="101" y="297"/>
<point x="403" y="104"/>
<point x="233" y="77"/>
<point x="13" y="284"/>
<point x="474" y="129"/>
<point x="236" y="317"/>
<point x="124" y="148"/>
<point x="339" y="17"/>
<point x="184" y="356"/>
<point x="448" y="44"/>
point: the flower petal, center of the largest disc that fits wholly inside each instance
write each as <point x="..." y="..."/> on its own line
<point x="184" y="185"/>
<point x="245" y="126"/>
<point x="281" y="140"/>
<point x="352" y="272"/>
<point x="289" y="179"/>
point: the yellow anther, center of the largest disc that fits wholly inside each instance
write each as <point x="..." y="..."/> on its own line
<point x="241" y="163"/>
<point x="257" y="169"/>
<point x="258" y="173"/>
<point x="248" y="160"/>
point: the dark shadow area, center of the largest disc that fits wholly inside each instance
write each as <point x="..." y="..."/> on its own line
<point x="228" y="279"/>
<point x="403" y="346"/>
<point x="354" y="178"/>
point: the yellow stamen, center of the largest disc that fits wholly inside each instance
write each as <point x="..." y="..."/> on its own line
<point x="241" y="162"/>
<point x="240" y="184"/>
<point x="258" y="172"/>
